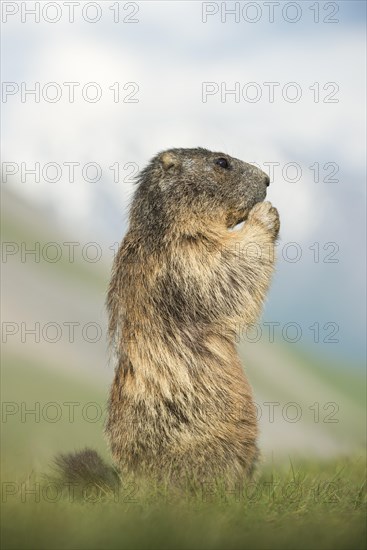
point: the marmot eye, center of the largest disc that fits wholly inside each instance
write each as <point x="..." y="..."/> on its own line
<point x="222" y="162"/>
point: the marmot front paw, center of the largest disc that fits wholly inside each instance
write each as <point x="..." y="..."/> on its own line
<point x="268" y="216"/>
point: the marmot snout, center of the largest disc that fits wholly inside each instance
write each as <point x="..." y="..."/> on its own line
<point x="200" y="185"/>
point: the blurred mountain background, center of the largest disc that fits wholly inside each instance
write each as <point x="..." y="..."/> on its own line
<point x="309" y="380"/>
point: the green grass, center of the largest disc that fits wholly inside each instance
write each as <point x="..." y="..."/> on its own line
<point x="304" y="506"/>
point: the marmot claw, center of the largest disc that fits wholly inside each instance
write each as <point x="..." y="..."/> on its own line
<point x="265" y="214"/>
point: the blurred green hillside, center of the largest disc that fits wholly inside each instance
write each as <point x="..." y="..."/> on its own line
<point x="306" y="407"/>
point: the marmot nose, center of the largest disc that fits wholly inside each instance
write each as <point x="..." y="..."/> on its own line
<point x="267" y="181"/>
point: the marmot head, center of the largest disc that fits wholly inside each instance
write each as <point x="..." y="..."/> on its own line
<point x="188" y="189"/>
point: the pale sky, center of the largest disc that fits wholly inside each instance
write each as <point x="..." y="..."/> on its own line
<point x="168" y="55"/>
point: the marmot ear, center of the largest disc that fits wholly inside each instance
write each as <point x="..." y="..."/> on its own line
<point x="169" y="161"/>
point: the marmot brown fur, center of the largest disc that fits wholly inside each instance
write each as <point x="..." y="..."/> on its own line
<point x="182" y="284"/>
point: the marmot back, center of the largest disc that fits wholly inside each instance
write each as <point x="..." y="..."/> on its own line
<point x="182" y="284"/>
